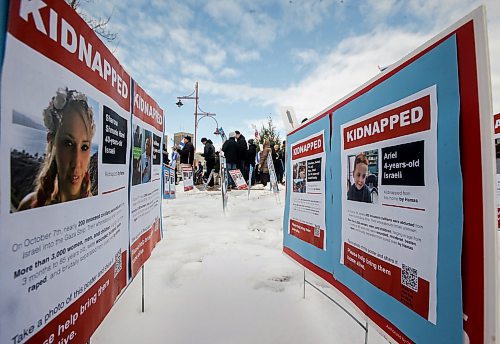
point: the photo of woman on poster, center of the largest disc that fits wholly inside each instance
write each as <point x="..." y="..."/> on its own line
<point x="64" y="174"/>
<point x="136" y="155"/>
<point x="359" y="191"/>
<point x="146" y="157"/>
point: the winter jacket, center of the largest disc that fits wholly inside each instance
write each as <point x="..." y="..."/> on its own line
<point x="187" y="154"/>
<point x="276" y="161"/>
<point x="230" y="149"/>
<point x="264" y="154"/>
<point x="209" y="151"/>
<point x="242" y="148"/>
<point x="252" y="150"/>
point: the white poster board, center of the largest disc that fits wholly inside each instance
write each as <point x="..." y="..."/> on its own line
<point x="389" y="212"/>
<point x="65" y="111"/>
<point x="307" y="190"/>
<point x="239" y="181"/>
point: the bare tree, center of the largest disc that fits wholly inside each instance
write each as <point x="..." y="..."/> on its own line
<point x="99" y="25"/>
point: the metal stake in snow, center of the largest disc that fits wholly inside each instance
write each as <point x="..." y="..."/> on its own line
<point x="142" y="289"/>
<point x="363" y="326"/>
<point x="208" y="180"/>
<point x="274" y="180"/>
<point x="223" y="182"/>
<point x="250" y="181"/>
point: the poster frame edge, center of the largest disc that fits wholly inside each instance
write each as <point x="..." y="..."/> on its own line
<point x="490" y="254"/>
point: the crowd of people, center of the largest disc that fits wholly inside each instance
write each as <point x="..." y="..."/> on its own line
<point x="239" y="154"/>
<point x="248" y="156"/>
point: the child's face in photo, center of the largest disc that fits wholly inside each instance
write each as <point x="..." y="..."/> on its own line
<point x="359" y="174"/>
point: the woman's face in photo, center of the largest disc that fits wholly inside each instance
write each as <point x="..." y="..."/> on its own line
<point x="72" y="154"/>
<point x="360" y="174"/>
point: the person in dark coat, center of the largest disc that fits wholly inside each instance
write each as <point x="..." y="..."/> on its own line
<point x="230" y="149"/>
<point x="251" y="153"/>
<point x="278" y="164"/>
<point x="209" y="155"/>
<point x="242" y="153"/>
<point x="187" y="152"/>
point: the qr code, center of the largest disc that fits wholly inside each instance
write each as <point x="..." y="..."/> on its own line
<point x="118" y="262"/>
<point x="409" y="277"/>
<point x="316" y="231"/>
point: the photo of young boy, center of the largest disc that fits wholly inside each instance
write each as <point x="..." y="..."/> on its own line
<point x="358" y="190"/>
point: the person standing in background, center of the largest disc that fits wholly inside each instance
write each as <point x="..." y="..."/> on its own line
<point x="264" y="154"/>
<point x="278" y="166"/>
<point x="230" y="149"/>
<point x="209" y="155"/>
<point x="187" y="152"/>
<point x="242" y="153"/>
<point x="283" y="159"/>
<point x="250" y="163"/>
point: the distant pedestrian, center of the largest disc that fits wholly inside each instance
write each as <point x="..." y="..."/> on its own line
<point x="264" y="154"/>
<point x="242" y="153"/>
<point x="187" y="153"/>
<point x="283" y="154"/>
<point x="250" y="163"/>
<point x="209" y="155"/>
<point x="230" y="149"/>
<point x="278" y="162"/>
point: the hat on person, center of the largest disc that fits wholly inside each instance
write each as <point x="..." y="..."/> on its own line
<point x="237" y="132"/>
<point x="203" y="139"/>
<point x="187" y="137"/>
<point x="251" y="141"/>
<point x="232" y="134"/>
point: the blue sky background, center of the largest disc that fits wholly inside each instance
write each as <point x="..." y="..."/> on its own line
<point x="252" y="57"/>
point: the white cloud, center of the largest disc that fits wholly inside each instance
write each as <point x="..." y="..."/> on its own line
<point x="215" y="56"/>
<point x="306" y="15"/>
<point x="377" y="11"/>
<point x="194" y="69"/>
<point x="245" y="55"/>
<point x="184" y="40"/>
<point x="169" y="57"/>
<point x="305" y="56"/>
<point x="229" y="73"/>
<point x="347" y="67"/>
<point x="250" y="25"/>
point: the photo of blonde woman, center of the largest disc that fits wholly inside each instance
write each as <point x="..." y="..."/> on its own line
<point x="64" y="173"/>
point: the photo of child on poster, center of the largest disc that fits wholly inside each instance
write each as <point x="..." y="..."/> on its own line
<point x="362" y="181"/>
<point x="58" y="161"/>
<point x="299" y="177"/>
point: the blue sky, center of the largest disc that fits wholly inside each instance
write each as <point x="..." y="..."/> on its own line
<point x="252" y="57"/>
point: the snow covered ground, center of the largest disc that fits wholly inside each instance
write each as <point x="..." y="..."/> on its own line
<point x="218" y="278"/>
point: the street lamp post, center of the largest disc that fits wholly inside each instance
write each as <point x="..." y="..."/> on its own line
<point x="197" y="111"/>
<point x="195" y="97"/>
<point x="203" y="114"/>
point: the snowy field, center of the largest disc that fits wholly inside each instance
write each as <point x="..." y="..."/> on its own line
<point x="218" y="278"/>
